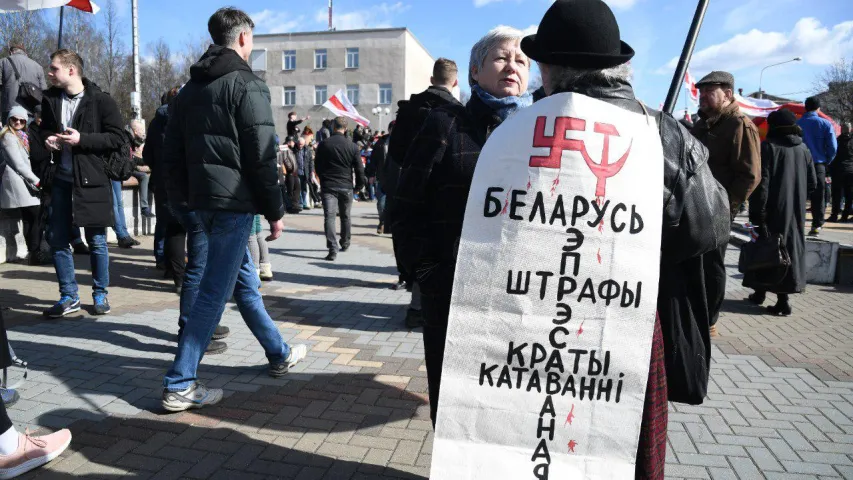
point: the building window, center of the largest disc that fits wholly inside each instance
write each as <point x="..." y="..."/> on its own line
<point x="258" y="60"/>
<point x="352" y="58"/>
<point x="385" y="94"/>
<point x="352" y="94"/>
<point x="288" y="60"/>
<point x="288" y="98"/>
<point x="320" y="58"/>
<point x="320" y="94"/>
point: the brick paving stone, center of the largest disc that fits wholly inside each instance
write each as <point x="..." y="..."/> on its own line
<point x="780" y="403"/>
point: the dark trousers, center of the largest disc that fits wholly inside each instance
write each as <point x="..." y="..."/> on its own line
<point x="294" y="192"/>
<point x="819" y="196"/>
<point x="434" y="338"/>
<point x="714" y="264"/>
<point x="33" y="227"/>
<point x="175" y="248"/>
<point x="335" y="202"/>
<point x="842" y="187"/>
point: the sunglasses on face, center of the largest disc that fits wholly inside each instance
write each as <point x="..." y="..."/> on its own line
<point x="17" y="120"/>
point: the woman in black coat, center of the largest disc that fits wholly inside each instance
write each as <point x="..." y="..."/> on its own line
<point x="778" y="206"/>
<point x="433" y="188"/>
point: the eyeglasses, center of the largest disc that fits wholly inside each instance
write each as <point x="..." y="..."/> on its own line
<point x="17" y="120"/>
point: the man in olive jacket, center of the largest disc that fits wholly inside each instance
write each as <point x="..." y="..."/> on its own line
<point x="220" y="156"/>
<point x="734" y="155"/>
<point x="81" y="125"/>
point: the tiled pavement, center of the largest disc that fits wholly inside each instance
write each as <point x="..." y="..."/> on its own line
<point x="781" y="402"/>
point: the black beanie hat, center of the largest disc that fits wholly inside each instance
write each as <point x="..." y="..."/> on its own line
<point x="781" y="118"/>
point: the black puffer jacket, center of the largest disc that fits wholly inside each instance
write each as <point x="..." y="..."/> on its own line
<point x="695" y="222"/>
<point x="219" y="151"/>
<point x="411" y="116"/>
<point x="101" y="128"/>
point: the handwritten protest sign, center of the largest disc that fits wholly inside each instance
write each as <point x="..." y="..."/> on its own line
<point x="553" y="308"/>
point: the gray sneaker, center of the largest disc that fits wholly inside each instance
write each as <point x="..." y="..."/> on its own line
<point x="196" y="396"/>
<point x="297" y="354"/>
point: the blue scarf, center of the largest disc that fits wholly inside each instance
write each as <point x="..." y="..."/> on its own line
<point x="503" y="107"/>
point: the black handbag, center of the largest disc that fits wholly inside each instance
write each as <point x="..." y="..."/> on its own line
<point x="766" y="253"/>
<point x="29" y="94"/>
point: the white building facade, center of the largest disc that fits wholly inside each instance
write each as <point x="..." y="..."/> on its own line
<point x="375" y="67"/>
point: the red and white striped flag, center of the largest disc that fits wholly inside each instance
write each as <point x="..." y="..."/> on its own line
<point x="8" y="6"/>
<point x="692" y="90"/>
<point x="340" y="105"/>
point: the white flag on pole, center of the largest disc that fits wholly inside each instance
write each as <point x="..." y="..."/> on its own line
<point x="8" y="6"/>
<point x="340" y="105"/>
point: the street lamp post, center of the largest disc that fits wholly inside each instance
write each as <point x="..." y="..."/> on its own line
<point x="761" y="76"/>
<point x="381" y="111"/>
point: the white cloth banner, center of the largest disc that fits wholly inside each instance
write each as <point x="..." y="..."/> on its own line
<point x="756" y="107"/>
<point x="7" y="6"/>
<point x="553" y="307"/>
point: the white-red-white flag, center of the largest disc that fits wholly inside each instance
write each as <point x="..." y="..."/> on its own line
<point x="340" y="105"/>
<point x="7" y="6"/>
<point x="756" y="107"/>
<point x="690" y="84"/>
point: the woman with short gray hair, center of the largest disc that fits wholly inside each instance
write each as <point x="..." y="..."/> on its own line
<point x="433" y="189"/>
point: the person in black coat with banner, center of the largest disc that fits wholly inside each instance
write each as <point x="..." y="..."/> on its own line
<point x="778" y="206"/>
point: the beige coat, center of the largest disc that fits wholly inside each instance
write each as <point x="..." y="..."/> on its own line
<point x="13" y="191"/>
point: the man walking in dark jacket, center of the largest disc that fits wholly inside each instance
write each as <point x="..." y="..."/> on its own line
<point x="413" y="112"/>
<point x="337" y="160"/>
<point x="82" y="125"/>
<point x="225" y="191"/>
<point x="819" y="136"/>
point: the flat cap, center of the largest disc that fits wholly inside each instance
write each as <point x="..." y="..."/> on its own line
<point x="717" y="78"/>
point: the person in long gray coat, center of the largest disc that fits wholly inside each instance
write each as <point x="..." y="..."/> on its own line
<point x="778" y="206"/>
<point x="19" y="185"/>
<point x="28" y="70"/>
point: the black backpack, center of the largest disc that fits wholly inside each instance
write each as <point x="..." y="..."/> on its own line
<point x="29" y="94"/>
<point x="119" y="163"/>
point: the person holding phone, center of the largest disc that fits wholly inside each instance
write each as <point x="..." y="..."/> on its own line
<point x="81" y="125"/>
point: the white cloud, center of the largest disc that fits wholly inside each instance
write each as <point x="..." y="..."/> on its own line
<point x="815" y="43"/>
<point x="621" y="4"/>
<point x="530" y="30"/>
<point x="376" y="16"/>
<point x="618" y="4"/>
<point x="271" y="21"/>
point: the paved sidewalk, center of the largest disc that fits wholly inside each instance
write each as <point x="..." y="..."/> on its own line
<point x="781" y="403"/>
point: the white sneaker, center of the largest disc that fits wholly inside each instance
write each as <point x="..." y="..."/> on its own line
<point x="265" y="272"/>
<point x="297" y="354"/>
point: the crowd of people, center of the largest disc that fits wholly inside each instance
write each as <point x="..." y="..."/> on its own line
<point x="213" y="184"/>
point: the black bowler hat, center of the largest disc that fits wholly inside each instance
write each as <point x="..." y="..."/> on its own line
<point x="580" y="34"/>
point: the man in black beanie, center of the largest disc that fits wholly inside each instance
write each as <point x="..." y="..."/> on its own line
<point x="578" y="49"/>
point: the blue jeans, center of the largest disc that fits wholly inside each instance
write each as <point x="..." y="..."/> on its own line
<point x="60" y="237"/>
<point x="196" y="262"/>
<point x="304" y="184"/>
<point x="380" y="202"/>
<point x="118" y="209"/>
<point x="160" y="231"/>
<point x="227" y="240"/>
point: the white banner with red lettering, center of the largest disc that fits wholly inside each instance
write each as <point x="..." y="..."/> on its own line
<point x="7" y="6"/>
<point x="340" y="105"/>
<point x="553" y="309"/>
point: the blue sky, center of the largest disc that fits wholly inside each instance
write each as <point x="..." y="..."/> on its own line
<point x="741" y="36"/>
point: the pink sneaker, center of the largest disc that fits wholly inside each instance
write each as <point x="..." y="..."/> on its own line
<point x="34" y="452"/>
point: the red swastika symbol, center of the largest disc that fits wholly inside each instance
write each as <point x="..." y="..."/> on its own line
<point x="558" y="143"/>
